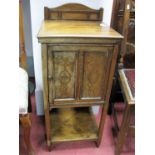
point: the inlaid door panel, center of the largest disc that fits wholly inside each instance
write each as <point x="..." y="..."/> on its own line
<point x="61" y="75"/>
<point x="95" y="72"/>
<point x="64" y="74"/>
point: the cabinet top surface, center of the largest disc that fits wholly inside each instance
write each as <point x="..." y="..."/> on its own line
<point x="76" y="29"/>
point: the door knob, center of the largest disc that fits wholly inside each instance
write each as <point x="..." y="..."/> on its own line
<point x="50" y="77"/>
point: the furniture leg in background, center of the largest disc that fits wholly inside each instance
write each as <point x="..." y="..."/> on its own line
<point x="127" y="83"/>
<point x="26" y="125"/>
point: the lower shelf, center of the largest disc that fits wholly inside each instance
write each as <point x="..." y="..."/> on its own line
<point x="73" y="124"/>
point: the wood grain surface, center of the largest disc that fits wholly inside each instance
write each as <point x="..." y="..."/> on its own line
<point x="79" y="58"/>
<point x="73" y="11"/>
<point x="72" y="124"/>
<point x="76" y="29"/>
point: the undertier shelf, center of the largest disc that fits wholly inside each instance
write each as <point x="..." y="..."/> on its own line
<point x="73" y="124"/>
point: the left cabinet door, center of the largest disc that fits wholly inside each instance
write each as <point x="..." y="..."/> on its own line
<point x="62" y="68"/>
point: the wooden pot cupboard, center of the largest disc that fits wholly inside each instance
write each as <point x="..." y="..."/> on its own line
<point x="78" y="63"/>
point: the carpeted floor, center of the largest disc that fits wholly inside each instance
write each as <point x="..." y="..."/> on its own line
<point x="72" y="148"/>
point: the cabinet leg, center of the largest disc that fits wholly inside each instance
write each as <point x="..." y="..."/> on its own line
<point x="49" y="145"/>
<point x="49" y="148"/>
<point x="97" y="144"/>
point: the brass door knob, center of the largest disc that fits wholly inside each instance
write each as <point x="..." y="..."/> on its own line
<point x="50" y="77"/>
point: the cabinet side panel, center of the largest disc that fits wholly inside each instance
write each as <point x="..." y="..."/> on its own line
<point x="45" y="93"/>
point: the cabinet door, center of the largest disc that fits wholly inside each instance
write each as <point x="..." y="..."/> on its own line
<point x="78" y="73"/>
<point x="96" y="67"/>
<point x="61" y="74"/>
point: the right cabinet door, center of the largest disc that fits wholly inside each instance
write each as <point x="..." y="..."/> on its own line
<point x="95" y="68"/>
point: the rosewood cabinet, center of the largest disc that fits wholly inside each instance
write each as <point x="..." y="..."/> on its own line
<point x="78" y="62"/>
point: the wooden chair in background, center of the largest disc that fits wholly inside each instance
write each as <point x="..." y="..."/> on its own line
<point x="24" y="115"/>
<point x="24" y="100"/>
<point x="123" y="20"/>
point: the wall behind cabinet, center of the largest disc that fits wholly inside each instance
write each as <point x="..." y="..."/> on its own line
<point x="37" y="15"/>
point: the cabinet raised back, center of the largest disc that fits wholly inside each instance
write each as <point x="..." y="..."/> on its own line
<point x="73" y="12"/>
